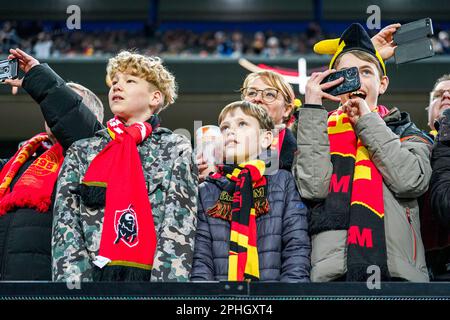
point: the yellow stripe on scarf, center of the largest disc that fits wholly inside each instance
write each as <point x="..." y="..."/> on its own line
<point x="232" y="266"/>
<point x="240" y="239"/>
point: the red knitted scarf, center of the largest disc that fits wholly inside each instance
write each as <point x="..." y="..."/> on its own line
<point x="128" y="235"/>
<point x="34" y="188"/>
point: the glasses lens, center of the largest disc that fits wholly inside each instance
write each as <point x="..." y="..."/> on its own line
<point x="251" y="93"/>
<point x="270" y="95"/>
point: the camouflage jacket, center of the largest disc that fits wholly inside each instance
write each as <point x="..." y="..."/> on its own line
<point x="172" y="187"/>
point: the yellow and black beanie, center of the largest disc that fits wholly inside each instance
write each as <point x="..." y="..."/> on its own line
<point x="353" y="38"/>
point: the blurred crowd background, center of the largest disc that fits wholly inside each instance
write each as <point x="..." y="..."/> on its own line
<point x="201" y="41"/>
<point x="46" y="41"/>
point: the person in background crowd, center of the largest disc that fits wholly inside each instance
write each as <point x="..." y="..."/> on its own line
<point x="439" y="101"/>
<point x="436" y="220"/>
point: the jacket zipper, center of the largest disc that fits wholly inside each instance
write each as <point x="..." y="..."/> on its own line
<point x="408" y="215"/>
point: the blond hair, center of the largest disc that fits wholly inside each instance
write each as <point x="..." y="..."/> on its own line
<point x="90" y="100"/>
<point x="365" y="56"/>
<point x="276" y="81"/>
<point x="149" y="68"/>
<point x="250" y="109"/>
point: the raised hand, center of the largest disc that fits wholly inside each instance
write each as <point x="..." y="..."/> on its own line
<point x="203" y="168"/>
<point x="355" y="109"/>
<point x="383" y="41"/>
<point x="26" y="62"/>
<point x="314" y="92"/>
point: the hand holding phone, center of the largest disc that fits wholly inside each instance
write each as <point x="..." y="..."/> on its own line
<point x="8" y="69"/>
<point x="413" y="41"/>
<point x="315" y="89"/>
<point x="351" y="81"/>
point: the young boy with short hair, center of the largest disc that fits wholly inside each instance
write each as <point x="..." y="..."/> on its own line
<point x="364" y="166"/>
<point x="251" y="226"/>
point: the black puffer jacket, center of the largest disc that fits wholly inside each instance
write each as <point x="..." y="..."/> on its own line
<point x="440" y="178"/>
<point x="288" y="150"/>
<point x="25" y="234"/>
<point x="283" y="241"/>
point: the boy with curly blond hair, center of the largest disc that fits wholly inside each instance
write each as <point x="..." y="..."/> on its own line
<point x="126" y="198"/>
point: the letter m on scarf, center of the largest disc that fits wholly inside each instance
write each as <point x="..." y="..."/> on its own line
<point x="363" y="239"/>
<point x="340" y="185"/>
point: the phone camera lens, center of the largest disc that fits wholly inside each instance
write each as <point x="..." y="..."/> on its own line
<point x="351" y="73"/>
<point x="6" y="69"/>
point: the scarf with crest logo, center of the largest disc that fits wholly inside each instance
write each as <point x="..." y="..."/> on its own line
<point x="243" y="198"/>
<point x="116" y="180"/>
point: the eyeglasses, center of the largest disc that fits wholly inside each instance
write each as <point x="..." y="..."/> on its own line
<point x="268" y="95"/>
<point x="439" y="93"/>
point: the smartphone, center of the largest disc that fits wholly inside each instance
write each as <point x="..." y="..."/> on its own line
<point x="351" y="81"/>
<point x="413" y="41"/>
<point x="416" y="50"/>
<point x="8" y="69"/>
<point x="415" y="30"/>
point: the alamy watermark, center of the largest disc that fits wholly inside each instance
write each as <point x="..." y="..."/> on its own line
<point x="74" y="20"/>
<point x="374" y="20"/>
<point x="73" y="281"/>
<point x="374" y="279"/>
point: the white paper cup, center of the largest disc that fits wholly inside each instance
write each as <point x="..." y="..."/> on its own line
<point x="208" y="141"/>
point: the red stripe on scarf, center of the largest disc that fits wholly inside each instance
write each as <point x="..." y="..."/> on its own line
<point x="242" y="262"/>
<point x="338" y="143"/>
<point x="369" y="192"/>
<point x="240" y="228"/>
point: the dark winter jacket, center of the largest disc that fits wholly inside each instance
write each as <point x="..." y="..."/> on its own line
<point x="440" y="196"/>
<point x="283" y="241"/>
<point x="288" y="150"/>
<point x="401" y="152"/>
<point x="25" y="234"/>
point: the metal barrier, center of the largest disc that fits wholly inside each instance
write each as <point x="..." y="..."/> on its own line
<point x="223" y="291"/>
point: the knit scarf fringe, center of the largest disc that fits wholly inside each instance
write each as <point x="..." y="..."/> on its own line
<point x="222" y="209"/>
<point x="41" y="204"/>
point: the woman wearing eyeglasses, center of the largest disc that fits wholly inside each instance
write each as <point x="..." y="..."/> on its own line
<point x="271" y="91"/>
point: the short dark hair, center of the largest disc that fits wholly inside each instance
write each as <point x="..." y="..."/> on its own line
<point x="251" y="109"/>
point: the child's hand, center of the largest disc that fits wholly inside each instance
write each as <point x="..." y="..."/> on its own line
<point x="355" y="109"/>
<point x="314" y="92"/>
<point x="203" y="168"/>
<point x="383" y="41"/>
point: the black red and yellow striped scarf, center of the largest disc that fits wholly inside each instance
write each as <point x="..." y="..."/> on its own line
<point x="355" y="200"/>
<point x="237" y="203"/>
<point x="366" y="241"/>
